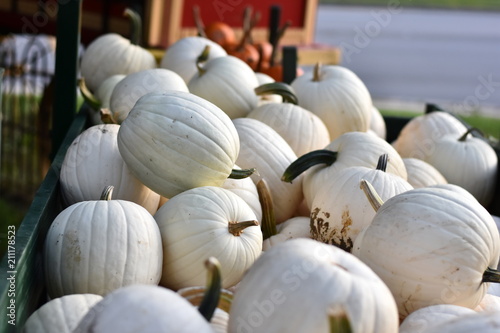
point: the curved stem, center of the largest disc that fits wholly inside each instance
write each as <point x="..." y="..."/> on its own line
<point x="236" y="228"/>
<point x="382" y="162"/>
<point x="372" y="195"/>
<point x="316" y="72"/>
<point x="308" y="160"/>
<point x="201" y="59"/>
<point x="213" y="288"/>
<point x="241" y="173"/>
<point x="268" y="223"/>
<point x="470" y="130"/>
<point x="280" y="88"/>
<point x="107" y="116"/>
<point x="89" y="98"/>
<point x="107" y="193"/>
<point x="491" y="275"/>
<point x="339" y="322"/>
<point x="276" y="41"/>
<point x="136" y="23"/>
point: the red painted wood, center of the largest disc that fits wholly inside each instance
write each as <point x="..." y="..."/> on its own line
<point x="231" y="11"/>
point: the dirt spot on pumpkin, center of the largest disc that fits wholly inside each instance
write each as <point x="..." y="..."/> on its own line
<point x="345" y="240"/>
<point x="320" y="228"/>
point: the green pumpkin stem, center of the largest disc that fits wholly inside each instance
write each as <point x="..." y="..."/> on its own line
<point x="241" y="173"/>
<point x="382" y="162"/>
<point x="279" y="88"/>
<point x="470" y="131"/>
<point x="107" y="193"/>
<point x="236" y="228"/>
<point x="268" y="223"/>
<point x="339" y="322"/>
<point x="491" y="275"/>
<point x="87" y="95"/>
<point x="136" y="23"/>
<point x="375" y="201"/>
<point x="203" y="57"/>
<point x="308" y="160"/>
<point x="316" y="72"/>
<point x="213" y="289"/>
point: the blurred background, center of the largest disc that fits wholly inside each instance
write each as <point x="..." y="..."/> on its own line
<point x="408" y="53"/>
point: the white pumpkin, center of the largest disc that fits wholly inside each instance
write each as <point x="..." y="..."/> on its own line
<point x="138" y="84"/>
<point x="60" y="314"/>
<point x="420" y="320"/>
<point x="466" y="161"/>
<point x="417" y="243"/>
<point x="302" y="130"/>
<point x="421" y="173"/>
<point x="489" y="303"/>
<point x="229" y="83"/>
<point x="143" y="309"/>
<point x="101" y="98"/>
<point x="484" y="322"/>
<point x="377" y="123"/>
<point x="175" y="141"/>
<point x="93" y="162"/>
<point x="293" y="286"/>
<point x="204" y="222"/>
<point x="246" y="189"/>
<point x="264" y="149"/>
<point x="340" y="210"/>
<point x="111" y="54"/>
<point x="418" y="137"/>
<point x="181" y="56"/>
<point x="349" y="149"/>
<point x="295" y="227"/>
<point x="101" y="245"/>
<point x="338" y="96"/>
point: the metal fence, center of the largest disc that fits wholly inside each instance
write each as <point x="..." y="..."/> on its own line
<point x="28" y="62"/>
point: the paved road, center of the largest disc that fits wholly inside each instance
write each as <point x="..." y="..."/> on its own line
<point x="417" y="55"/>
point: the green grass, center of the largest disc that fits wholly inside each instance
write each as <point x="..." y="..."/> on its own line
<point x="446" y="4"/>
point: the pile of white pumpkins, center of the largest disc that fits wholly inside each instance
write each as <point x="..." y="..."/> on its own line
<point x="315" y="221"/>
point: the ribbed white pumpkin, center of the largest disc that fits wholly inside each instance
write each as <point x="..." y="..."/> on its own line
<point x="197" y="224"/>
<point x="301" y="129"/>
<point x="420" y="320"/>
<point x="295" y="227"/>
<point x="61" y="314"/>
<point x="101" y="245"/>
<point x="353" y="149"/>
<point x="229" y="83"/>
<point x="93" y="162"/>
<point x="182" y="55"/>
<point x="418" y="137"/>
<point x="466" y="161"/>
<point x="143" y="309"/>
<point x="264" y="149"/>
<point x="293" y="285"/>
<point x="430" y="246"/>
<point x="247" y="190"/>
<point x="136" y="85"/>
<point x="421" y="173"/>
<point x="338" y="96"/>
<point x="340" y="210"/>
<point x="112" y="54"/>
<point x="175" y="141"/>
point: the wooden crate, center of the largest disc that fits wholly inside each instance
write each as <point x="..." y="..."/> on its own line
<point x="168" y="21"/>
